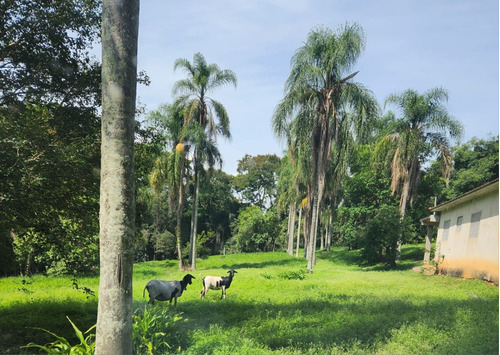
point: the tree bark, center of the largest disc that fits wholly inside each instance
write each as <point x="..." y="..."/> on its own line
<point x="291" y="229"/>
<point x="329" y="233"/>
<point x="408" y="180"/>
<point x="120" y="24"/>
<point x="180" y="200"/>
<point x="428" y="244"/>
<point x="311" y="248"/>
<point x="194" y="218"/>
<point x="298" y="233"/>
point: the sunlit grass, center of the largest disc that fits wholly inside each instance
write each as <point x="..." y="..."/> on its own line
<point x="273" y="306"/>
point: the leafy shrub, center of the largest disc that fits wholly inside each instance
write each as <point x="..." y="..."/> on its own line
<point x="150" y="329"/>
<point x="382" y="234"/>
<point x="149" y="335"/>
<point x="255" y="230"/>
<point x="62" y="346"/>
<point x="293" y="275"/>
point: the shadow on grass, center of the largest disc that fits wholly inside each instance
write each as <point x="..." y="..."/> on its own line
<point x="410" y="255"/>
<point x="343" y="322"/>
<point x="18" y="320"/>
<point x="265" y="264"/>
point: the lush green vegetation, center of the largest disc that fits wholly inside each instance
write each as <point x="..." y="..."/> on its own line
<point x="274" y="306"/>
<point x="50" y="147"/>
<point x="49" y="200"/>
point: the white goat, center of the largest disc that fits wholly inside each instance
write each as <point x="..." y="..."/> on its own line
<point x="217" y="283"/>
<point x="167" y="290"/>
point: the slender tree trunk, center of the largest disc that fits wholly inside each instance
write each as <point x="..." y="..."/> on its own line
<point x="428" y="245"/>
<point x="194" y="218"/>
<point x="316" y="233"/>
<point x="291" y="231"/>
<point x="298" y="233"/>
<point x="312" y="232"/>
<point x="180" y="204"/>
<point x="288" y="227"/>
<point x="322" y="136"/>
<point x="307" y="225"/>
<point x="329" y="233"/>
<point x="323" y="237"/>
<point x="120" y="24"/>
<point x="405" y="196"/>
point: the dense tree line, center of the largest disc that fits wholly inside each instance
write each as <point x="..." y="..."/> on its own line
<point x="49" y="135"/>
<point x="352" y="174"/>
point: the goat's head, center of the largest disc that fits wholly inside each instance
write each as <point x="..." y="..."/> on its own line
<point x="186" y="280"/>
<point x="232" y="272"/>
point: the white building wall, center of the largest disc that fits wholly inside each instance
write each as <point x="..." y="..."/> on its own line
<point x="462" y="255"/>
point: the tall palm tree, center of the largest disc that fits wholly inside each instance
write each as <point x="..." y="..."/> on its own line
<point x="424" y="130"/>
<point x="321" y="97"/>
<point x="170" y="167"/>
<point x="203" y="111"/>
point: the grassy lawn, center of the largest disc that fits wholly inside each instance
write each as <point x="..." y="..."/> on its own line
<point x="273" y="306"/>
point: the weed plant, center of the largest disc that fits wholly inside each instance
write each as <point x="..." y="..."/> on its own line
<point x="274" y="307"/>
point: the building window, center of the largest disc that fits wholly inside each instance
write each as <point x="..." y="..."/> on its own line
<point x="474" y="225"/>
<point x="459" y="222"/>
<point x="446" y="229"/>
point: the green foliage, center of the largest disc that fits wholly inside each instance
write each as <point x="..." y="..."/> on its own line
<point x="203" y="240"/>
<point x="49" y="130"/>
<point x="293" y="275"/>
<point x="151" y="329"/>
<point x="475" y="163"/>
<point x="62" y="346"/>
<point x="365" y="192"/>
<point x="255" y="230"/>
<point x="424" y="130"/>
<point x="382" y="234"/>
<point x="45" y="49"/>
<point x="218" y="207"/>
<point x="257" y="178"/>
<point x="51" y="182"/>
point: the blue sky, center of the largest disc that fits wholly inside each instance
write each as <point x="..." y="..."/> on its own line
<point x="417" y="44"/>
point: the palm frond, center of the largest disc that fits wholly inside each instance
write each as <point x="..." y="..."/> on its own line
<point x="184" y="86"/>
<point x="221" y="113"/>
<point x="185" y="65"/>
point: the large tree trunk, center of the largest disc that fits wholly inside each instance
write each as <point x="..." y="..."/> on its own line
<point x="120" y="24"/>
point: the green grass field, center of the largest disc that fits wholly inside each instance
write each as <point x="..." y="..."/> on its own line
<point x="274" y="307"/>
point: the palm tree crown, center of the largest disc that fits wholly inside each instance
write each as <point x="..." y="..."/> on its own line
<point x="424" y="129"/>
<point x="321" y="102"/>
<point x="203" y="79"/>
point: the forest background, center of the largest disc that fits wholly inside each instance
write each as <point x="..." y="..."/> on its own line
<point x="50" y="147"/>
